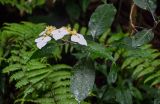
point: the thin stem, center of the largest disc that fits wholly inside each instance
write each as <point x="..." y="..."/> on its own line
<point x="130" y="17"/>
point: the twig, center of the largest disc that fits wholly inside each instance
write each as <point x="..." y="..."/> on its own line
<point x="130" y="17"/>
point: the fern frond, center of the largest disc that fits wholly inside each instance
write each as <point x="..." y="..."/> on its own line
<point x="23" y="5"/>
<point x="12" y="68"/>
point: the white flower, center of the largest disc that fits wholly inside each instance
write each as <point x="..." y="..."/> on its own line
<point x="59" y="33"/>
<point x="44" y="37"/>
<point x="79" y="39"/>
<point x="42" y="41"/>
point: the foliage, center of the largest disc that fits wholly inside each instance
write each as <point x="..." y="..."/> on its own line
<point x="113" y="68"/>
<point x="23" y="5"/>
<point x="100" y="20"/>
<point x="34" y="76"/>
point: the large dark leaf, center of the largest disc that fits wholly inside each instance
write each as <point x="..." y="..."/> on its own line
<point x="101" y="19"/>
<point x="83" y="80"/>
<point x="146" y="4"/>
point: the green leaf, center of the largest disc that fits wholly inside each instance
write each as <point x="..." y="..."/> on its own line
<point x="13" y="67"/>
<point x="61" y="66"/>
<point x="101" y="19"/>
<point x="123" y="96"/>
<point x="136" y="93"/>
<point x="146" y="4"/>
<point x="116" y="37"/>
<point x="84" y="4"/>
<point x="156" y="81"/>
<point x="112" y="76"/>
<point x="49" y="50"/>
<point x="127" y="62"/>
<point x="145" y="71"/>
<point x="83" y="80"/>
<point x="155" y="75"/>
<point x="142" y="37"/>
<point x="73" y="9"/>
<point x="98" y="50"/>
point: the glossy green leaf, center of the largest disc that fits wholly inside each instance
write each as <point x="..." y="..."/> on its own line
<point x="146" y="4"/>
<point x="142" y="37"/>
<point x="101" y="19"/>
<point x="83" y="80"/>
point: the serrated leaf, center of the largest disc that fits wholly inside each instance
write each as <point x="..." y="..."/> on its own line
<point x="135" y="62"/>
<point x="145" y="71"/>
<point x="13" y="67"/>
<point x="22" y="83"/>
<point x="127" y="62"/>
<point x="157" y="74"/>
<point x="156" y="81"/>
<point x="16" y="76"/>
<point x="142" y="37"/>
<point x="101" y="19"/>
<point x="82" y="80"/>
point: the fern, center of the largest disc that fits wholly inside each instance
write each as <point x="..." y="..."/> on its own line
<point x="23" y="5"/>
<point x="37" y="80"/>
<point x="143" y="61"/>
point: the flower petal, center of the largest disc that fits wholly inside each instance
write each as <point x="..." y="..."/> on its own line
<point x="59" y="33"/>
<point x="39" y="39"/>
<point x="43" y="39"/>
<point x="42" y="33"/>
<point x="79" y="39"/>
<point x="46" y="38"/>
<point x="74" y="38"/>
<point x="41" y="44"/>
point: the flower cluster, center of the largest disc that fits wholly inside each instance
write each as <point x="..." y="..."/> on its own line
<point x="52" y="32"/>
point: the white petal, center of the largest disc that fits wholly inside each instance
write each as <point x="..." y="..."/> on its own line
<point x="57" y="36"/>
<point x="43" y="39"/>
<point x="46" y="39"/>
<point x="79" y="39"/>
<point x="42" y="33"/>
<point x="41" y="44"/>
<point x="59" y="33"/>
<point x="39" y="39"/>
<point x="74" y="38"/>
<point x="63" y="31"/>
